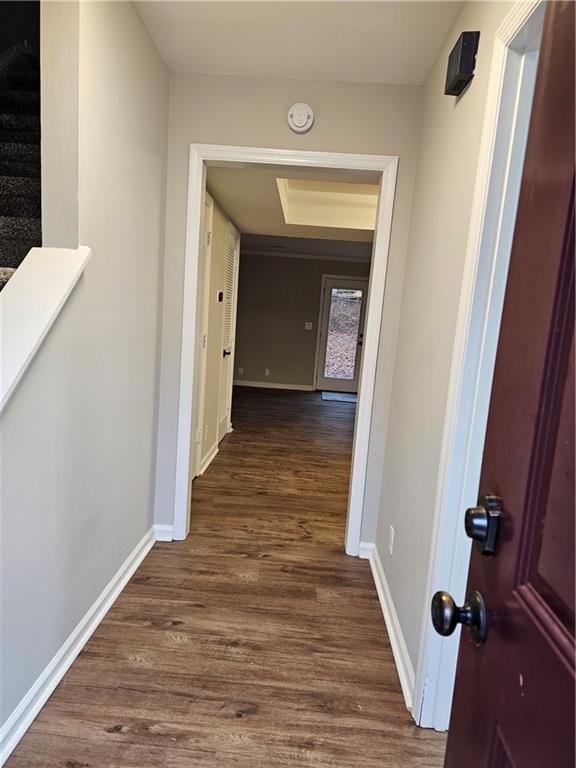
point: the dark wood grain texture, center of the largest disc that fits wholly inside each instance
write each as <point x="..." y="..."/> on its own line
<point x="254" y="644"/>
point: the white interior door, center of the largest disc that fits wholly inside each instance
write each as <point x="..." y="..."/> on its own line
<point x="204" y="282"/>
<point x="228" y="332"/>
<point x="341" y="333"/>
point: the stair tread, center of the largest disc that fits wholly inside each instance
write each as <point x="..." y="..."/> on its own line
<point x="19" y="185"/>
<point x="23" y="129"/>
<point x="20" y="196"/>
<point x="17" y="102"/>
<point x="17" y="159"/>
<point x="13" y="251"/>
<point x="25" y="228"/>
<point x="5" y="275"/>
<point x="24" y="206"/>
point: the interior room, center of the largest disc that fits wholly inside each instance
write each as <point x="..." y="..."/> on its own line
<point x="286" y="384"/>
<point x="269" y="319"/>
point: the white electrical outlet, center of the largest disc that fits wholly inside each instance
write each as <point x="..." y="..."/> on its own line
<point x="266" y="371"/>
<point x="391" y="540"/>
<point x="240" y="371"/>
<point x="307" y="325"/>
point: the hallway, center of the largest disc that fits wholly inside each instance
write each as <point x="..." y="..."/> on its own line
<point x="254" y="644"/>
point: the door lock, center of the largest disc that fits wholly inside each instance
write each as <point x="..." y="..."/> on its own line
<point x="482" y="523"/>
<point x="446" y="615"/>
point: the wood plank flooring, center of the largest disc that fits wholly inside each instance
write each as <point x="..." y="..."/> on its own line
<point x="254" y="644"/>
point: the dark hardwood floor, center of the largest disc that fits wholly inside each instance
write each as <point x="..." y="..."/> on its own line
<point x="254" y="644"/>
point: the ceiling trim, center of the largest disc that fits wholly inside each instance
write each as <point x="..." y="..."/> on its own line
<point x="340" y="205"/>
<point x="365" y="259"/>
<point x="220" y="154"/>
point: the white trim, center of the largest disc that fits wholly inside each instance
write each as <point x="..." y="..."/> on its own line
<point x="33" y="701"/>
<point x="274" y="385"/>
<point x="397" y="642"/>
<point x="493" y="217"/>
<point x="274" y="254"/>
<point x="365" y="550"/>
<point x="367" y="381"/>
<point x="200" y="155"/>
<point x="163" y="532"/>
<point x="209" y="459"/>
<point x="30" y="303"/>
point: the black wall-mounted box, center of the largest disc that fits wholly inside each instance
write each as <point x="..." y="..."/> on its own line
<point x="461" y="63"/>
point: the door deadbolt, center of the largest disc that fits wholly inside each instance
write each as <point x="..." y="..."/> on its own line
<point x="482" y="523"/>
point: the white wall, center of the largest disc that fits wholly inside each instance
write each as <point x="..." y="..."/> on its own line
<point x="450" y="139"/>
<point x="252" y="112"/>
<point x="78" y="436"/>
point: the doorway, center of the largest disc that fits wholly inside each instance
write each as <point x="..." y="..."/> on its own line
<point x="201" y="156"/>
<point x="340" y="333"/>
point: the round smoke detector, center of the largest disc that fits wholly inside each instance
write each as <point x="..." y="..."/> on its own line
<point x="300" y="117"/>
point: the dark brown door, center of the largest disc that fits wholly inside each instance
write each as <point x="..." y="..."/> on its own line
<point x="514" y="699"/>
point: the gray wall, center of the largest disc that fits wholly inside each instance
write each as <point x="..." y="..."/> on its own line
<point x="276" y="296"/>
<point x="450" y="140"/>
<point x="252" y="112"/>
<point x="78" y="436"/>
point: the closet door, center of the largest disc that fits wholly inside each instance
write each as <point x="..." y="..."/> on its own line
<point x="228" y="332"/>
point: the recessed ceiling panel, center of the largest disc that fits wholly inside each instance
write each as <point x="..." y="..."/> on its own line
<point x="343" y="205"/>
<point x="249" y="195"/>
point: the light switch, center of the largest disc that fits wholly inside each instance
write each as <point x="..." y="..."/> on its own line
<point x="307" y="325"/>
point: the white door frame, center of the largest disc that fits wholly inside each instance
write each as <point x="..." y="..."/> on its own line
<point x="495" y="201"/>
<point x="200" y="156"/>
<point x="320" y="328"/>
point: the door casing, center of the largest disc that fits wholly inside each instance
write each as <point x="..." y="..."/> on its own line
<point x="202" y="155"/>
<point x="495" y="201"/>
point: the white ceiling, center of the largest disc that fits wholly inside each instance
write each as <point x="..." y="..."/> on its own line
<point x="347" y="41"/>
<point x="249" y="196"/>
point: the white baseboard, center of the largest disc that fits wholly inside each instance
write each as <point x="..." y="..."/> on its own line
<point x="163" y="532"/>
<point x="274" y="385"/>
<point x="208" y="460"/>
<point x="365" y="550"/>
<point x="399" y="649"/>
<point x="33" y="701"/>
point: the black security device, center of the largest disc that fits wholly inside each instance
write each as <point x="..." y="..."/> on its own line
<point x="461" y="63"/>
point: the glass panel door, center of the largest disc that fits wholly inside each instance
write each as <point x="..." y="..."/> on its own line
<point x="341" y="333"/>
<point x="342" y="336"/>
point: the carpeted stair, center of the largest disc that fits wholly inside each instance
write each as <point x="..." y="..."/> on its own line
<point x="20" y="200"/>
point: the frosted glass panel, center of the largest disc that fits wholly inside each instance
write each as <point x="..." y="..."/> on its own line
<point x="342" y="341"/>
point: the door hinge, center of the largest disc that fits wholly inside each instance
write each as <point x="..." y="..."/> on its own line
<point x="208" y="238"/>
<point x="199" y="436"/>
